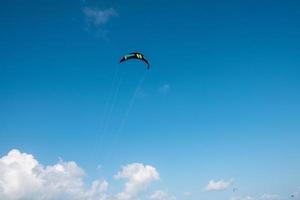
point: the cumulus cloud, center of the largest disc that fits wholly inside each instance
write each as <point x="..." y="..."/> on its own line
<point x="22" y="177"/>
<point x="218" y="185"/>
<point x="99" y="17"/>
<point x="164" y="89"/>
<point x="161" y="195"/>
<point x="138" y="177"/>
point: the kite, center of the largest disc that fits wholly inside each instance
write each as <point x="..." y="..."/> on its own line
<point x="135" y="55"/>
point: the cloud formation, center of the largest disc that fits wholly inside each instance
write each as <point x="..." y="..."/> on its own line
<point x="99" y="17"/>
<point x="22" y="177"/>
<point x="218" y="185"/>
<point x="161" y="195"/>
<point x="138" y="177"/>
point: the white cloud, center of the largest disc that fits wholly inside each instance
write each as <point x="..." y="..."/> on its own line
<point x="218" y="185"/>
<point x="22" y="177"/>
<point x="138" y="177"/>
<point x="161" y="195"/>
<point x="164" y="89"/>
<point x="99" y="17"/>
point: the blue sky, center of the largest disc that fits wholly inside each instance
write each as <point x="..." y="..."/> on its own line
<point x="221" y="101"/>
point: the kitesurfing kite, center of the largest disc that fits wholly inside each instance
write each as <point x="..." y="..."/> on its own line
<point x="135" y="55"/>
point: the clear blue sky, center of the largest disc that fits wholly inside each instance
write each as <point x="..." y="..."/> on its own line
<point x="230" y="106"/>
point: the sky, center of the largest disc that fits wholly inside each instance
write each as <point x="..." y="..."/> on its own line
<point x="216" y="117"/>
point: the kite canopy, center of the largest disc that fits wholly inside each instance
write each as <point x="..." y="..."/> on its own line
<point x="135" y="55"/>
